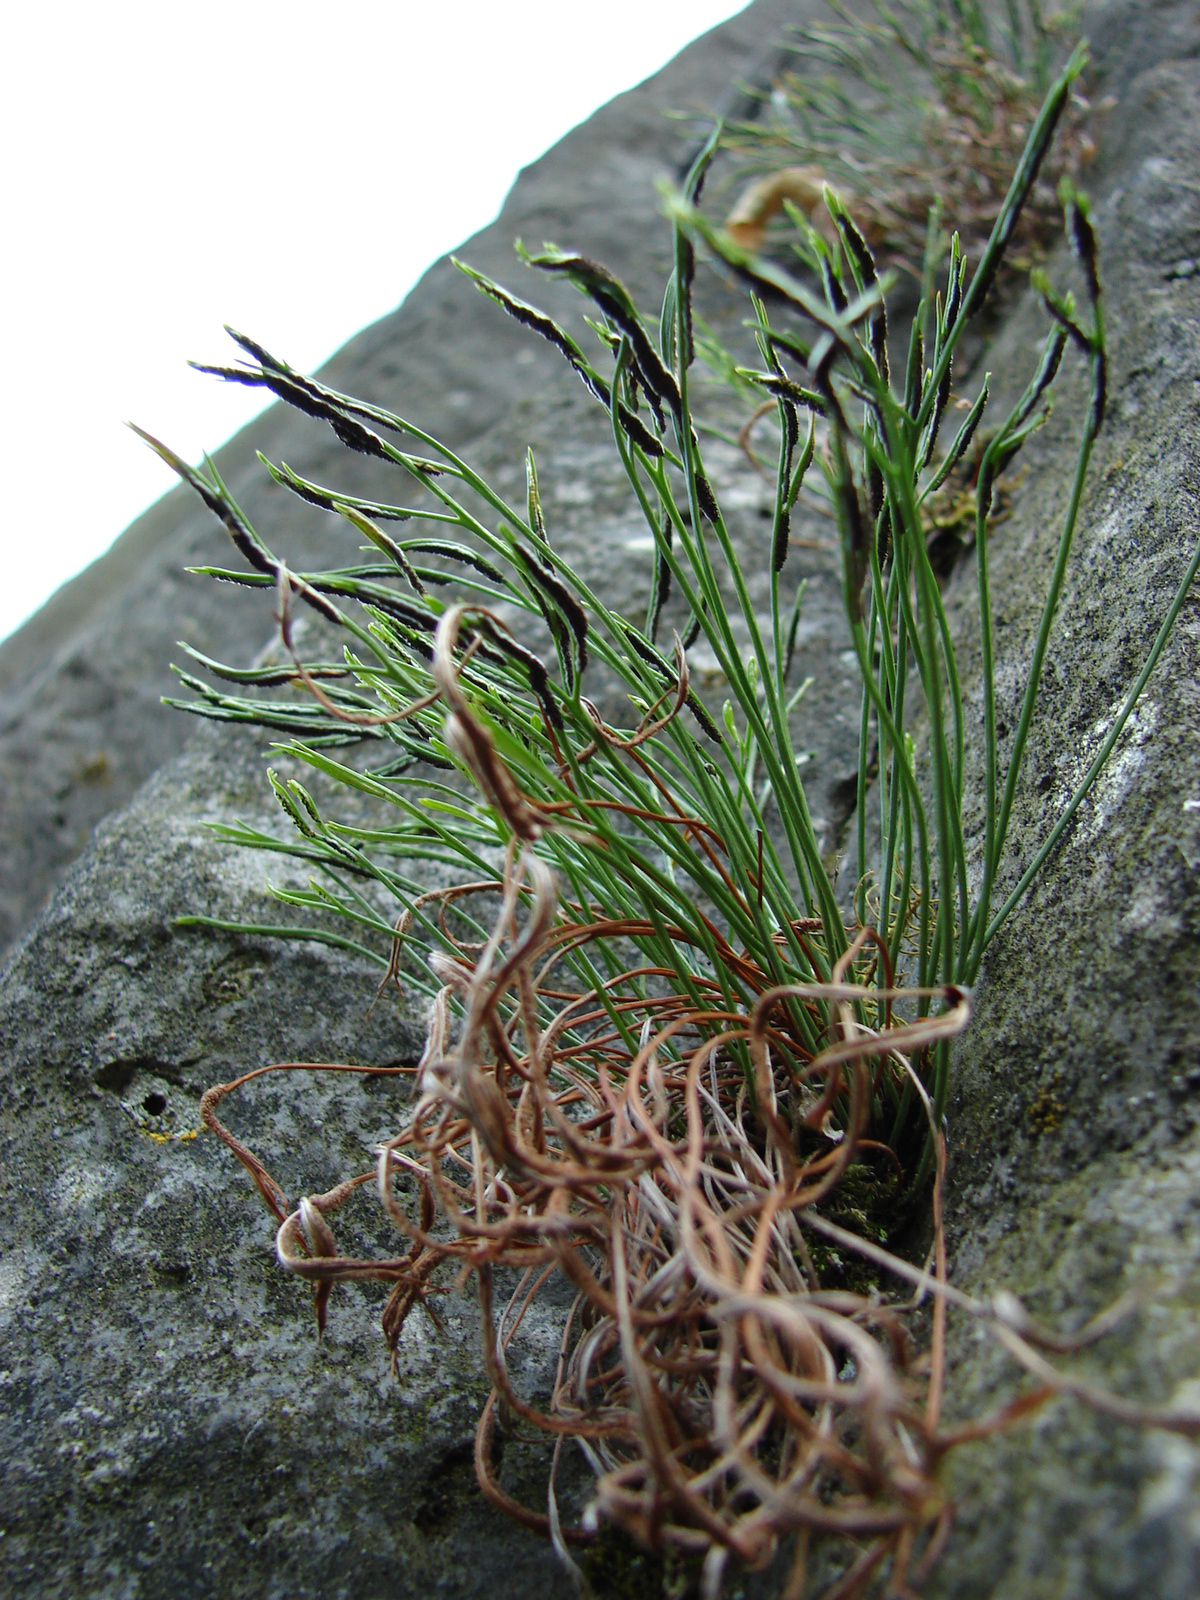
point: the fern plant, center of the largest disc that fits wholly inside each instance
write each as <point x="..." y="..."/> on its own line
<point x="915" y="113"/>
<point x="660" y="1039"/>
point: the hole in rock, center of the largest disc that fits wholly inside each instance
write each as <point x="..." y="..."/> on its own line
<point x="154" y="1103"/>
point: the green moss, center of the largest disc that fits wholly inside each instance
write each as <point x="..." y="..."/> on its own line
<point x="1046" y="1111"/>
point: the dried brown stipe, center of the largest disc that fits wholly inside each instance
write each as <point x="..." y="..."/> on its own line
<point x="763" y="200"/>
<point x="672" y="1161"/>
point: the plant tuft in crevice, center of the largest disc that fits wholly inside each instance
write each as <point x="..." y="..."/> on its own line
<point x="667" y="1064"/>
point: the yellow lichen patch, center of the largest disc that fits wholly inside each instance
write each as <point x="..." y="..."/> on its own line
<point x="173" y="1138"/>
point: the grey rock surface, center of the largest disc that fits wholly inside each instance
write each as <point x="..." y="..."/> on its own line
<point x="1075" y="1153"/>
<point x="169" y="1424"/>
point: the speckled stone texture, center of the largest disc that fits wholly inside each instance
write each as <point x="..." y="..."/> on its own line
<point x="169" y="1425"/>
<point x="1075" y="1158"/>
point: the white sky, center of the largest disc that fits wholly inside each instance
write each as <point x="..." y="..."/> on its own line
<point x="161" y="158"/>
